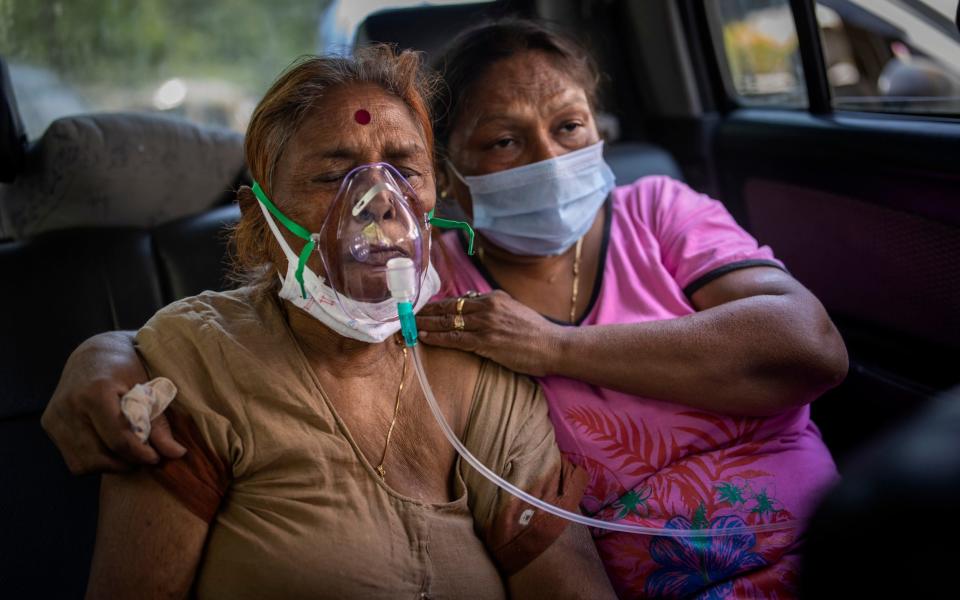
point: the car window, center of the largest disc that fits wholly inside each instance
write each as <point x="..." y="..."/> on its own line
<point x="760" y="57"/>
<point x="892" y="56"/>
<point x="209" y="62"/>
<point x="881" y="55"/>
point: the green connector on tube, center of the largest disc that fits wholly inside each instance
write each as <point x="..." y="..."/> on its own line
<point x="408" y="323"/>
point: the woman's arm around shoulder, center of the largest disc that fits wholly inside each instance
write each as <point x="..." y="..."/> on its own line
<point x="83" y="417"/>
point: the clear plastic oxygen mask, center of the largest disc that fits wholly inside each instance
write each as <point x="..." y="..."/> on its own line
<point x="376" y="217"/>
<point x="401" y="280"/>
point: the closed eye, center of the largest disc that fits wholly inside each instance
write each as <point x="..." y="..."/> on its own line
<point x="407" y="173"/>
<point x="328" y="177"/>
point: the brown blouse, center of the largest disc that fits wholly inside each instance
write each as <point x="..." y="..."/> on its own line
<point x="295" y="508"/>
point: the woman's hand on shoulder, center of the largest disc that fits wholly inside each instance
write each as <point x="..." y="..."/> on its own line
<point x="495" y="326"/>
<point x="83" y="417"/>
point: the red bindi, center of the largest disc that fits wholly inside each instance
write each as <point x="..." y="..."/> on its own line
<point x="361" y="116"/>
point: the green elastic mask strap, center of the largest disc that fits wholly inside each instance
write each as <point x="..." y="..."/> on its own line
<point x="451" y="224"/>
<point x="295" y="229"/>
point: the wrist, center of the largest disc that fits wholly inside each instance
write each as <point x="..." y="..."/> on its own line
<point x="559" y="339"/>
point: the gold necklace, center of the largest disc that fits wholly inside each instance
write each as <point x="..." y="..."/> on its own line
<point x="576" y="276"/>
<point x="576" y="280"/>
<point x="381" y="471"/>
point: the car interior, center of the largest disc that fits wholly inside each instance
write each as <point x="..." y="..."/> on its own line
<point x="107" y="217"/>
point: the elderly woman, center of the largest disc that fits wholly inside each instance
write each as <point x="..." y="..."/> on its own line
<point x="676" y="355"/>
<point x="313" y="469"/>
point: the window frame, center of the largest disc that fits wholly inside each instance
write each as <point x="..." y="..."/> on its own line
<point x="819" y="95"/>
<point x="810" y="45"/>
<point x="712" y="27"/>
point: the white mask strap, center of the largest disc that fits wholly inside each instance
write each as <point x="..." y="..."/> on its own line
<point x="301" y="261"/>
<point x="276" y="233"/>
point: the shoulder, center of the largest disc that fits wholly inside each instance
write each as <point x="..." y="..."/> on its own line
<point x="200" y="341"/>
<point x="203" y="345"/>
<point x="207" y="312"/>
<point x="494" y="378"/>
<point x="647" y="190"/>
<point x="457" y="373"/>
<point x="668" y="208"/>
<point x="648" y="196"/>
<point x="506" y="405"/>
<point x="210" y="306"/>
<point x="482" y="392"/>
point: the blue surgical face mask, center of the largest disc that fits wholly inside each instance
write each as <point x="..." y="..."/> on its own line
<point x="542" y="208"/>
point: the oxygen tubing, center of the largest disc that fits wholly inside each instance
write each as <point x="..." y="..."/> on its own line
<point x="401" y="280"/>
<point x="556" y="510"/>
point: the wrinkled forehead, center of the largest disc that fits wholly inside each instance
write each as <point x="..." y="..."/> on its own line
<point x="356" y="120"/>
<point x="532" y="76"/>
<point x="532" y="82"/>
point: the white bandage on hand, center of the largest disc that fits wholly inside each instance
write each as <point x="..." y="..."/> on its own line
<point x="145" y="402"/>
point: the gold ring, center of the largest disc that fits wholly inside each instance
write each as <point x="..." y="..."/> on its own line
<point x="458" y="323"/>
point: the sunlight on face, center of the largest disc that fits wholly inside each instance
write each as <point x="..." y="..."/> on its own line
<point x="523" y="110"/>
<point x="329" y="144"/>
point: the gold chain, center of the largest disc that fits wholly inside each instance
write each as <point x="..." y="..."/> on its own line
<point x="576" y="276"/>
<point x="382" y="472"/>
<point x="576" y="280"/>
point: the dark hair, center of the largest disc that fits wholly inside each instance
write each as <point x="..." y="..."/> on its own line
<point x="469" y="56"/>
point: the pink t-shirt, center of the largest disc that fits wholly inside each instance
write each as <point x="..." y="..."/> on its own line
<point x="664" y="464"/>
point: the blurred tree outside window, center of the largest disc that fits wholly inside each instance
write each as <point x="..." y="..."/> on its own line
<point x="209" y="61"/>
<point x="762" y="56"/>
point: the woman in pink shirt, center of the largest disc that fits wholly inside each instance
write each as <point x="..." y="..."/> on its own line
<point x="677" y="355"/>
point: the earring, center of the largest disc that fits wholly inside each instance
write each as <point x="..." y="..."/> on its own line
<point x="443" y="194"/>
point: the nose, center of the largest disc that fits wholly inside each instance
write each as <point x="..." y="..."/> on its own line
<point x="377" y="207"/>
<point x="544" y="147"/>
<point x="380" y="208"/>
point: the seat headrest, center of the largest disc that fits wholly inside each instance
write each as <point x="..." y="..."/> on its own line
<point x="124" y="169"/>
<point x="13" y="136"/>
<point x="425" y="28"/>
